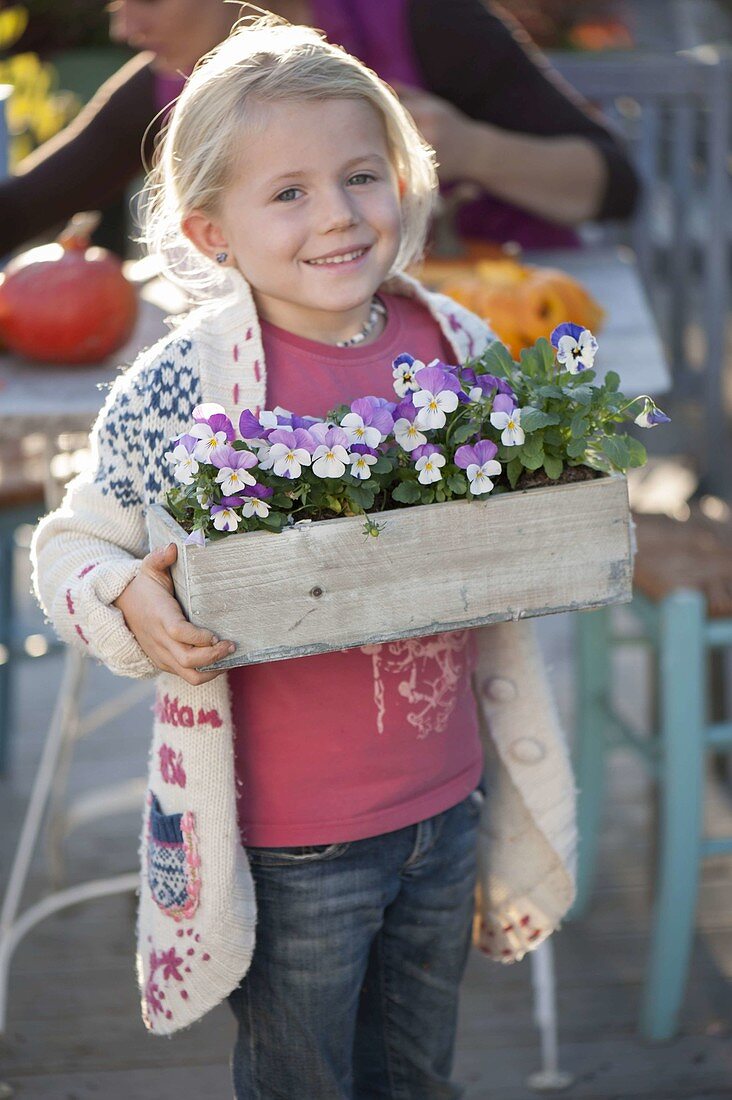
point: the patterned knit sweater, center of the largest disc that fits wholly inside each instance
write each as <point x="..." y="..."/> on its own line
<point x="197" y="907"/>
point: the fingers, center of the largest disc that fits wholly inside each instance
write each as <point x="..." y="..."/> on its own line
<point x="183" y="631"/>
<point x="195" y="657"/>
<point x="161" y="559"/>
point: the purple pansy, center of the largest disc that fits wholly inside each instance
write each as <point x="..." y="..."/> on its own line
<point x="233" y="466"/>
<point x="651" y="415"/>
<point x="480" y="465"/>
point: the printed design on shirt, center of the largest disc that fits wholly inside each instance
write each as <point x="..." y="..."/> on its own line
<point x="166" y="973"/>
<point x="171" y="766"/>
<point x="425" y="672"/>
<point x="173" y="863"/>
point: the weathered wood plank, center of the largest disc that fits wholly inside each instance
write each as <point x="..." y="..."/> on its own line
<point x="327" y="586"/>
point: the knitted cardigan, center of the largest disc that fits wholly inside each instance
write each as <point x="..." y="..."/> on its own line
<point x="197" y="905"/>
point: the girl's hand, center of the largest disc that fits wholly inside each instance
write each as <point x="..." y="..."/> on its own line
<point x="155" y="617"/>
<point x="446" y="129"/>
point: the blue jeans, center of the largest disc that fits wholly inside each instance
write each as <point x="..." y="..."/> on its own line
<point x="361" y="946"/>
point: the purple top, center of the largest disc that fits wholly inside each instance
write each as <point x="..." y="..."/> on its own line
<point x="377" y="32"/>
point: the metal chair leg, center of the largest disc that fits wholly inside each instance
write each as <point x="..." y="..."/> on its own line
<point x="549" y="1078"/>
<point x="682" y="658"/>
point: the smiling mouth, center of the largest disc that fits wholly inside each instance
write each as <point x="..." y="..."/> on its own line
<point x="343" y="258"/>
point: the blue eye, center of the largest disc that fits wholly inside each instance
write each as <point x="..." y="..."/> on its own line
<point x="362" y="177"/>
<point x="288" y="194"/>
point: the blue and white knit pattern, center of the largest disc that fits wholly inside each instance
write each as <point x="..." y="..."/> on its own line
<point x="148" y="406"/>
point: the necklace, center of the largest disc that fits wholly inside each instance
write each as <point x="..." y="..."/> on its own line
<point x="378" y="310"/>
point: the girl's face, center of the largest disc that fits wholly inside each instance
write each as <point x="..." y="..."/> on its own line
<point x="178" y="32"/>
<point x="312" y="218"/>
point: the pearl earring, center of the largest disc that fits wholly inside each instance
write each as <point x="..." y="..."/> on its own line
<point x="222" y="257"/>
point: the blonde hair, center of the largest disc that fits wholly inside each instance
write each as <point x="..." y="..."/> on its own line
<point x="266" y="60"/>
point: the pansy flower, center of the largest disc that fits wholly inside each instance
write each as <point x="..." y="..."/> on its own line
<point x="330" y="457"/>
<point x="233" y="469"/>
<point x="183" y="460"/>
<point x="429" y="463"/>
<point x="367" y="422"/>
<point x="212" y="429"/>
<point x="482" y="385"/>
<point x="479" y="463"/>
<point x="406" y="432"/>
<point x="404" y="369"/>
<point x="254" y="501"/>
<point x="507" y="419"/>
<point x="223" y="515"/>
<point x="576" y="347"/>
<point x="288" y="452"/>
<point x="651" y="415"/>
<point x="255" y="428"/>
<point x="362" y="459"/>
<point x="438" y="394"/>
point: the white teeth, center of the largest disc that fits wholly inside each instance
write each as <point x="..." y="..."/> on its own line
<point x="338" y="259"/>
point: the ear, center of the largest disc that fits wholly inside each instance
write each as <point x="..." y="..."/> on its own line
<point x="204" y="233"/>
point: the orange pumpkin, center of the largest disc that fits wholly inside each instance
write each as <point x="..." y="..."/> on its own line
<point x="520" y="302"/>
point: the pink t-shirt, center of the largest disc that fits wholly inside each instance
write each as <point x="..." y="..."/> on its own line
<point x="347" y="745"/>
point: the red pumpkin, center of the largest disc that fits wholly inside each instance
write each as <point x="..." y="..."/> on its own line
<point x="66" y="302"/>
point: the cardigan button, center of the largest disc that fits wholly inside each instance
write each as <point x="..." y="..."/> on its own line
<point x="527" y="750"/>
<point x="499" y="690"/>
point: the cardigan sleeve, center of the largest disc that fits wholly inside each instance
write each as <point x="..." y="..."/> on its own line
<point x="87" y="552"/>
<point x="490" y="70"/>
<point x="89" y="164"/>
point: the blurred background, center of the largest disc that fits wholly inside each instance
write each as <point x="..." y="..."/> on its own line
<point x="615" y="117"/>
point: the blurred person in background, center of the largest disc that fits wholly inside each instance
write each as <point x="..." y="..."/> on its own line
<point x="541" y="159"/>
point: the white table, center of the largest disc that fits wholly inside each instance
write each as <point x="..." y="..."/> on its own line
<point x="47" y="399"/>
<point x="629" y="340"/>
<point x="36" y="397"/>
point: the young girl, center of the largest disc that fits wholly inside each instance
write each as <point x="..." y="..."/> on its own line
<point x="336" y="797"/>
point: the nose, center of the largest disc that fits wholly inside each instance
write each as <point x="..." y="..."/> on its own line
<point x="339" y="210"/>
<point x="125" y="25"/>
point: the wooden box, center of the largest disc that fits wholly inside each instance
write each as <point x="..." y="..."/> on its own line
<point x="327" y="585"/>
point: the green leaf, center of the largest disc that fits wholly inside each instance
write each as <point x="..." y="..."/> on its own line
<point x="383" y="465"/>
<point x="581" y="394"/>
<point x="533" y="445"/>
<point x="553" y="437"/>
<point x="275" y="521"/>
<point x="532" y="418"/>
<point x="616" y="450"/>
<point x="637" y="452"/>
<point x="553" y="466"/>
<point x="496" y="359"/>
<point x="440" y="495"/>
<point x="458" y="484"/>
<point x="577" y="447"/>
<point x="407" y="492"/>
<point x="550" y="391"/>
<point x="361" y="496"/>
<point x="612" y="380"/>
<point x="464" y="432"/>
<point x="514" y="470"/>
<point x="533" y="462"/>
<point x="578" y="424"/>
<point x="333" y="503"/>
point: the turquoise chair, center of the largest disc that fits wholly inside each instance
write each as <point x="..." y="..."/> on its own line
<point x="683" y="608"/>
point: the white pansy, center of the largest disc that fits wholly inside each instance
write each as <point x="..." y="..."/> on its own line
<point x="408" y="435"/>
<point x="286" y="461"/>
<point x="226" y="520"/>
<point x="253" y="506"/>
<point x="209" y="441"/>
<point x="433" y="406"/>
<point x="358" y="432"/>
<point x="233" y="481"/>
<point x="361" y="465"/>
<point x="329" y="461"/>
<point x="509" y="424"/>
<point x="185" y="466"/>
<point x="480" y="476"/>
<point x="429" y="468"/>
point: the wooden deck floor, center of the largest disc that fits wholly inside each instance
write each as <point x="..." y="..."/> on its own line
<point x="74" y="1029"/>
